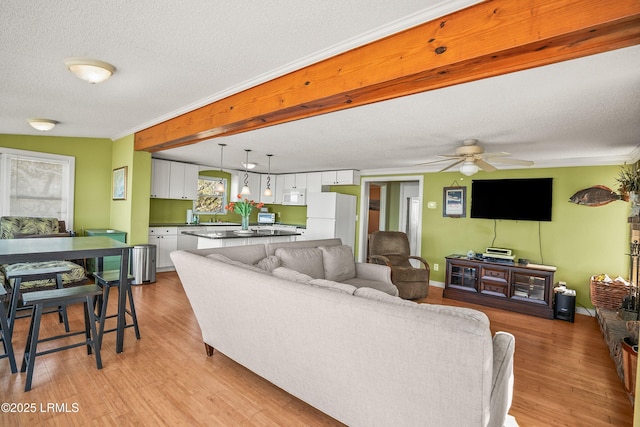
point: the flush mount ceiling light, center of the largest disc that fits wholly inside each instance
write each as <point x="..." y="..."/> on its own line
<point x="90" y="70"/>
<point x="249" y="165"/>
<point x="42" y="124"/>
<point x="469" y="168"/>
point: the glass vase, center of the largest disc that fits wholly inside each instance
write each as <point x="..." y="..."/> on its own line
<point x="245" y="222"/>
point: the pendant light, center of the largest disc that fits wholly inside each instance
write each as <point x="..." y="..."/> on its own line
<point x="267" y="191"/>
<point x="245" y="192"/>
<point x="220" y="185"/>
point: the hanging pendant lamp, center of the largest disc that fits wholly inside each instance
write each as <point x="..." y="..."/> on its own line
<point x="220" y="185"/>
<point x="245" y="192"/>
<point x="267" y="191"/>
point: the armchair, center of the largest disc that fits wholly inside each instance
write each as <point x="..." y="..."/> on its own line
<point x="391" y="248"/>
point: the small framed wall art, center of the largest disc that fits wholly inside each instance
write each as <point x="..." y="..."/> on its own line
<point x="454" y="202"/>
<point x="119" y="185"/>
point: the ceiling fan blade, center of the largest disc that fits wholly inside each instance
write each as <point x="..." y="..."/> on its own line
<point x="435" y="161"/>
<point x="491" y="155"/>
<point x="485" y="166"/>
<point x="515" y="161"/>
<point x="451" y="165"/>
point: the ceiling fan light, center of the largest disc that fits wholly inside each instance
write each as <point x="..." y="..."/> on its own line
<point x="90" y="70"/>
<point x="469" y="168"/>
<point x="42" y="124"/>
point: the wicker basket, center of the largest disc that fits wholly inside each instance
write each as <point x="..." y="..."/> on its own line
<point x="608" y="294"/>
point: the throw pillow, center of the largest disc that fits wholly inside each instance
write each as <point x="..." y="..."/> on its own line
<point x="292" y="275"/>
<point x="339" y="264"/>
<point x="226" y="260"/>
<point x="269" y="263"/>
<point x="334" y="286"/>
<point x="304" y="260"/>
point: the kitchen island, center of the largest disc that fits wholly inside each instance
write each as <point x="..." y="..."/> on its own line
<point x="226" y="238"/>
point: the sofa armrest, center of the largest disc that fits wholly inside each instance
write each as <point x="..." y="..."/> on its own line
<point x="373" y="272"/>
<point x="502" y="378"/>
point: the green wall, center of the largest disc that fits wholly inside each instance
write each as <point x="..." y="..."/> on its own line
<point x="580" y="241"/>
<point x="93" y="173"/>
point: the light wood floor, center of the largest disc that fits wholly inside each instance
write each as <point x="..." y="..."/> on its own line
<point x="563" y="375"/>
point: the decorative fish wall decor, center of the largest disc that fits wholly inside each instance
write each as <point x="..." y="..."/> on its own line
<point x="597" y="195"/>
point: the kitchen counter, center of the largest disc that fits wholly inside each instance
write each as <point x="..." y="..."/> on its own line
<point x="220" y="239"/>
<point x="202" y="224"/>
<point x="236" y="235"/>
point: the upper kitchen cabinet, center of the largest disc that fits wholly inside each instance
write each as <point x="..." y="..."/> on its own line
<point x="341" y="177"/>
<point x="314" y="182"/>
<point x="183" y="183"/>
<point x="160" y="178"/>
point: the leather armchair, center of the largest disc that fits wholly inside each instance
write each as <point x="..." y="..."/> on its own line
<point x="391" y="248"/>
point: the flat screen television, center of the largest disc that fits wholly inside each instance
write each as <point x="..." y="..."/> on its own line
<point x="527" y="199"/>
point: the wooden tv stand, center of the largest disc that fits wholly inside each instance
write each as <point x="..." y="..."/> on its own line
<point x="525" y="288"/>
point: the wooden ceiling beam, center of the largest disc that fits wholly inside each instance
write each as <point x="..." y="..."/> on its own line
<point x="485" y="40"/>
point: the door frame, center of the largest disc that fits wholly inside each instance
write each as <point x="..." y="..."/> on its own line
<point x="364" y="209"/>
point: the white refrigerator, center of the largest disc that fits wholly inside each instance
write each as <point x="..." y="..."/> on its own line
<point x="331" y="215"/>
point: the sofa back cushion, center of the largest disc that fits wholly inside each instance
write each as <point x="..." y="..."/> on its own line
<point x="338" y="262"/>
<point x="303" y="260"/>
<point x="23" y="225"/>
<point x="272" y="247"/>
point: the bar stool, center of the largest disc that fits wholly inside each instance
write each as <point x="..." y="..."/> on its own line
<point x="43" y="299"/>
<point x="26" y="275"/>
<point x="5" y="333"/>
<point x="106" y="280"/>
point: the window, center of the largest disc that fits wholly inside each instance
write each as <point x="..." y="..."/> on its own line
<point x="37" y="184"/>
<point x="210" y="201"/>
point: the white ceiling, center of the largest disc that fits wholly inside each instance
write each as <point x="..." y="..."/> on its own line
<point x="172" y="57"/>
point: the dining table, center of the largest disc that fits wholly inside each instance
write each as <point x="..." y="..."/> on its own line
<point x="72" y="248"/>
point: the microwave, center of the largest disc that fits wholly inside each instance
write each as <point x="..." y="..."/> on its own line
<point x="266" y="218"/>
<point x="294" y="196"/>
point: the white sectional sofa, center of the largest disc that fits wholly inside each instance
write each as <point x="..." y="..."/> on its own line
<point x="361" y="355"/>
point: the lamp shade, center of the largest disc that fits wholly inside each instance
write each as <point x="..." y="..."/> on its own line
<point x="469" y="168"/>
<point x="90" y="70"/>
<point x="42" y="124"/>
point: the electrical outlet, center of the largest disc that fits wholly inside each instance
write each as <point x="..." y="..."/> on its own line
<point x="436" y="267"/>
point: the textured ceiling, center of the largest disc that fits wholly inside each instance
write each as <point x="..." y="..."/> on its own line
<point x="172" y="57"/>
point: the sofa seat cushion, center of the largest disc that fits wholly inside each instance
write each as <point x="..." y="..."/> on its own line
<point x="75" y="277"/>
<point x="226" y="260"/>
<point x="334" y="286"/>
<point x="303" y="260"/>
<point x="338" y="262"/>
<point x="292" y="275"/>
<point x="381" y="286"/>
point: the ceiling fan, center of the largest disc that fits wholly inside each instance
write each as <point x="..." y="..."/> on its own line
<point x="473" y="158"/>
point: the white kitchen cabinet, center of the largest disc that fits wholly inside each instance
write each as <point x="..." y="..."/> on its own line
<point x="274" y="190"/>
<point x="294" y="180"/>
<point x="314" y="182"/>
<point x="160" y="170"/>
<point x="166" y="241"/>
<point x="341" y="177"/>
<point x="183" y="182"/>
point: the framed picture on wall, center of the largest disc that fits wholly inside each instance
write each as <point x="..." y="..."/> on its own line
<point x="454" y="202"/>
<point x="120" y="183"/>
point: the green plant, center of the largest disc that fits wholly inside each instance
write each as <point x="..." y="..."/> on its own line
<point x="628" y="179"/>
